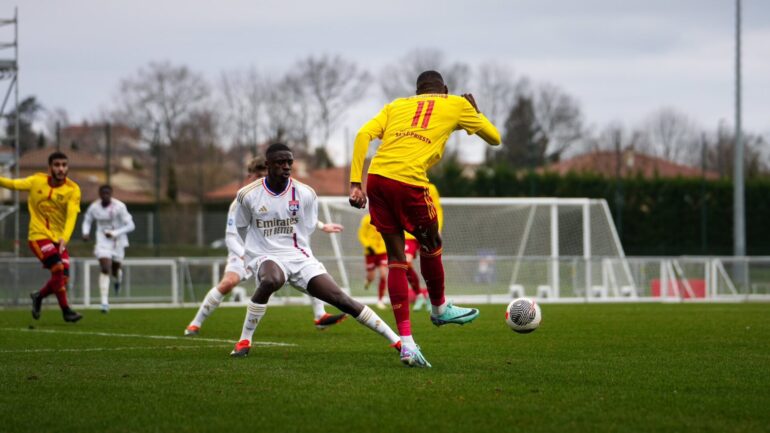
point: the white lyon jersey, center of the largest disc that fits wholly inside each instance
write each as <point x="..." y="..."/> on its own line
<point x="279" y="222"/>
<point x="114" y="218"/>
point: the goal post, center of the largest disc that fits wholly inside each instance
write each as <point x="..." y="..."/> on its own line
<point x="497" y="247"/>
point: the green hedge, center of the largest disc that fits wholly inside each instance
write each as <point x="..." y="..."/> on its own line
<point x="657" y="216"/>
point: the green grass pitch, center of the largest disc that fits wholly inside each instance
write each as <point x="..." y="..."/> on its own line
<point x="589" y="368"/>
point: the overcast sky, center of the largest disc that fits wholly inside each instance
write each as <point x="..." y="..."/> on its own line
<point x="621" y="60"/>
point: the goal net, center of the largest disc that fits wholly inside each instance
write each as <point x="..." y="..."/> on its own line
<point x="495" y="248"/>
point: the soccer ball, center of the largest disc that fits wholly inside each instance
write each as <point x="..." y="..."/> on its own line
<point x="523" y="315"/>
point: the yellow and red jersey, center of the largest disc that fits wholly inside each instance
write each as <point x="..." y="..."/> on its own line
<point x="436" y="199"/>
<point x="53" y="210"/>
<point x="370" y="237"/>
<point x="414" y="131"/>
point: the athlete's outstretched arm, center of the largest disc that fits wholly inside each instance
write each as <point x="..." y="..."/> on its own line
<point x="18" y="184"/>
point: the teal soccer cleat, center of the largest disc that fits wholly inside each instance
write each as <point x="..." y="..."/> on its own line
<point x="413" y="357"/>
<point x="457" y="315"/>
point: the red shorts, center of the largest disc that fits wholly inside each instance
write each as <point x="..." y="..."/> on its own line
<point x="48" y="253"/>
<point x="396" y="206"/>
<point x="411" y="247"/>
<point x="374" y="261"/>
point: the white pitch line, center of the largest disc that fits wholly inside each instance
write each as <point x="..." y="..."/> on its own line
<point x="152" y="337"/>
<point x="108" y="349"/>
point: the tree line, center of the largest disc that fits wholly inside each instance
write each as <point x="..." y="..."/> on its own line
<point x="194" y="122"/>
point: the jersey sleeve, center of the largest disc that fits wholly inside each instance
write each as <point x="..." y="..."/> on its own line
<point x="310" y="212"/>
<point x="73" y="209"/>
<point x="128" y="222"/>
<point x="474" y="122"/>
<point x="363" y="232"/>
<point x="238" y="216"/>
<point x="17" y="184"/>
<point x="88" y="219"/>
<point x="371" y="130"/>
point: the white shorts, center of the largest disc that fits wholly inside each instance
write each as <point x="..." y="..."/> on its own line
<point x="238" y="266"/>
<point x="297" y="272"/>
<point x="110" y="251"/>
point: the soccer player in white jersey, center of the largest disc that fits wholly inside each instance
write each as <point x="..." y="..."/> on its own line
<point x="113" y="223"/>
<point x="235" y="270"/>
<point x="276" y="215"/>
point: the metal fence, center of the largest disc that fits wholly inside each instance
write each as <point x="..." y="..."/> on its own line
<point x="181" y="281"/>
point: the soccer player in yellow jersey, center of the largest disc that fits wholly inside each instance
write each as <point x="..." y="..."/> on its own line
<point x="54" y="204"/>
<point x="375" y="256"/>
<point x="414" y="131"/>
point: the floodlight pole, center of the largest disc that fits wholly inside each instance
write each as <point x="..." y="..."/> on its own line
<point x="739" y="217"/>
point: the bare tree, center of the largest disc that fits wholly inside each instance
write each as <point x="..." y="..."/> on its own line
<point x="671" y="135"/>
<point x="161" y="94"/>
<point x="243" y="94"/>
<point x="331" y="84"/>
<point x="287" y="113"/>
<point x="496" y="90"/>
<point x="559" y="117"/>
<point x="399" y="79"/>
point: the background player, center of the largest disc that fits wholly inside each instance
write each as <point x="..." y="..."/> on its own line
<point x="54" y="204"/>
<point x="113" y="223"/>
<point x="236" y="271"/>
<point x="276" y="215"/>
<point x="375" y="256"/>
<point x="414" y="131"/>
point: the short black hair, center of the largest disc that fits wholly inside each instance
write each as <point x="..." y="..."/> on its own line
<point x="429" y="79"/>
<point x="56" y="155"/>
<point x="105" y="186"/>
<point x="276" y="147"/>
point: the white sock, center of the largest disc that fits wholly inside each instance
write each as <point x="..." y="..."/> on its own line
<point x="104" y="287"/>
<point x="408" y="342"/>
<point x="438" y="310"/>
<point x="254" y="313"/>
<point x="318" y="307"/>
<point x="371" y="320"/>
<point x="209" y="304"/>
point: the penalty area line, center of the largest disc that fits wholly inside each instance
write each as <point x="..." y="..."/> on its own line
<point x="151" y="337"/>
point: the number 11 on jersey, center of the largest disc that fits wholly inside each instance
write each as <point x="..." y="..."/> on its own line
<point x="418" y="113"/>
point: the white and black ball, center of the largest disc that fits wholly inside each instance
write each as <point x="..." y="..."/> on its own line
<point x="523" y="315"/>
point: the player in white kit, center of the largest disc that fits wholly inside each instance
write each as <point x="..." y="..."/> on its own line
<point x="113" y="223"/>
<point x="274" y="217"/>
<point x="235" y="270"/>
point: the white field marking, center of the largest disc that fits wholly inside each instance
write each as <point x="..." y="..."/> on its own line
<point x="109" y="349"/>
<point x="152" y="337"/>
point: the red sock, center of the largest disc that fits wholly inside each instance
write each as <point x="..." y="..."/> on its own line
<point x="58" y="286"/>
<point x="46" y="289"/>
<point x="399" y="296"/>
<point x="414" y="280"/>
<point x="433" y="272"/>
<point x="382" y="286"/>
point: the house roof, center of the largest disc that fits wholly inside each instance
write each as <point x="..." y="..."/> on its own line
<point x="605" y="163"/>
<point x="328" y="182"/>
<point x="38" y="159"/>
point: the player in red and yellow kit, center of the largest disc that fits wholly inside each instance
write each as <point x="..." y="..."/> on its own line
<point x="414" y="131"/>
<point x="375" y="256"/>
<point x="412" y="250"/>
<point x="54" y="204"/>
